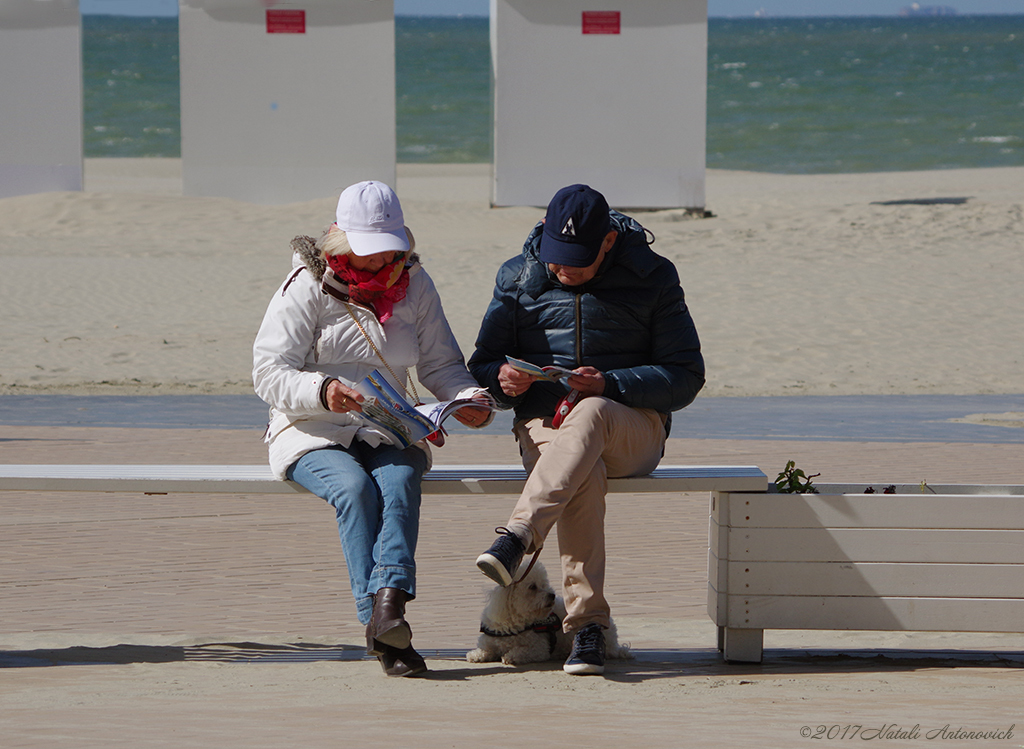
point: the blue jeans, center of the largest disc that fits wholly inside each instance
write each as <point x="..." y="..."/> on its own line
<point x="375" y="492"/>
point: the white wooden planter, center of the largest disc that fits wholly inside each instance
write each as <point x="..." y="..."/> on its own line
<point x="947" y="558"/>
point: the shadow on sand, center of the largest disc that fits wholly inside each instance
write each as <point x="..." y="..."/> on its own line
<point x="644" y="666"/>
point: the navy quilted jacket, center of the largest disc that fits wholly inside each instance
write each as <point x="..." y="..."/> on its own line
<point x="630" y="322"/>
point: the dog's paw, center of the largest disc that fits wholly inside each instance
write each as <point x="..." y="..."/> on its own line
<point x="479" y="655"/>
<point x="510" y="659"/>
<point x="621" y="652"/>
<point x="520" y="656"/>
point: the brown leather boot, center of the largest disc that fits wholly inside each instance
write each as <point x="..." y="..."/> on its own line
<point x="387" y="623"/>
<point x="401" y="661"/>
<point x="395" y="662"/>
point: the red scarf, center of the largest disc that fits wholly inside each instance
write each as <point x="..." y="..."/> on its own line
<point x="379" y="291"/>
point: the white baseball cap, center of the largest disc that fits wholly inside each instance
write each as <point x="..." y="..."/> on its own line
<point x="371" y="217"/>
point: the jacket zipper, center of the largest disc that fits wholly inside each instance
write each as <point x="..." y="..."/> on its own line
<point x="579" y="329"/>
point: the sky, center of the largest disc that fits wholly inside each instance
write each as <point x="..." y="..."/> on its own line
<point x="716" y="8"/>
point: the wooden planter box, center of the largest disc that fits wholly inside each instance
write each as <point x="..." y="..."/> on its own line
<point x="947" y="558"/>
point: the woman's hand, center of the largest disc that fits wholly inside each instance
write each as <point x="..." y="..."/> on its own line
<point x="342" y="399"/>
<point x="472" y="416"/>
<point x="587" y="380"/>
<point x="513" y="382"/>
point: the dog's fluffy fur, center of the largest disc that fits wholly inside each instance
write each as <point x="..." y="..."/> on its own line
<point x="510" y="612"/>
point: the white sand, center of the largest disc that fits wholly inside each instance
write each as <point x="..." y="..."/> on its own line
<point x="798" y="285"/>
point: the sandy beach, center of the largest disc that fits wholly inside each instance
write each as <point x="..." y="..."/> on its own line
<point x="201" y="621"/>
<point x="799" y="285"/>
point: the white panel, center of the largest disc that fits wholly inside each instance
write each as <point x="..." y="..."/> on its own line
<point x="41" y="91"/>
<point x="875" y="545"/>
<point x="877" y="579"/>
<point x="876" y="511"/>
<point x="890" y="614"/>
<point x="625" y="112"/>
<point x="717" y="538"/>
<point x="716" y="603"/>
<point x="285" y="117"/>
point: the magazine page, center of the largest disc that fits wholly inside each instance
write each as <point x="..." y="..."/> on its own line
<point x="551" y="373"/>
<point x="389" y="410"/>
<point x="438" y="412"/>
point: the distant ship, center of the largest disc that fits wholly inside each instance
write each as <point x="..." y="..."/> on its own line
<point x="927" y="10"/>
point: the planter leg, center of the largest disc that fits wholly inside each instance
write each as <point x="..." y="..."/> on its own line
<point x="743" y="645"/>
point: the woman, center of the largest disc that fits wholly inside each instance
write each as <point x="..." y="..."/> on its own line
<point x="357" y="300"/>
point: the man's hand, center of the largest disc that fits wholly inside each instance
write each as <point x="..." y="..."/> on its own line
<point x="342" y="399"/>
<point x="513" y="382"/>
<point x="587" y="380"/>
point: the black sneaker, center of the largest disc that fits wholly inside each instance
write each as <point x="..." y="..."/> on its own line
<point x="587" y="655"/>
<point x="501" y="561"/>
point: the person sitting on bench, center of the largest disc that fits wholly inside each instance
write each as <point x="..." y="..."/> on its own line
<point x="357" y="300"/>
<point x="586" y="294"/>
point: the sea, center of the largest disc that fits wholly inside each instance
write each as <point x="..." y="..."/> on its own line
<point x="793" y="95"/>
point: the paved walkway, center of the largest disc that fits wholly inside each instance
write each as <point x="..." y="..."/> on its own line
<point x="226" y="621"/>
<point x="877" y="418"/>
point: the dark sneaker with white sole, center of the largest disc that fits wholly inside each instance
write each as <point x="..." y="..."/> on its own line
<point x="587" y="656"/>
<point x="501" y="561"/>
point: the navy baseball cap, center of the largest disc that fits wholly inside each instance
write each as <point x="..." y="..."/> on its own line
<point x="576" y="225"/>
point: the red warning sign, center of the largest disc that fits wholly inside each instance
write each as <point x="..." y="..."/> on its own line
<point x="602" y="22"/>
<point x="286" y="21"/>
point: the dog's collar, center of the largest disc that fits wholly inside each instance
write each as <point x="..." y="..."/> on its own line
<point x="550" y="626"/>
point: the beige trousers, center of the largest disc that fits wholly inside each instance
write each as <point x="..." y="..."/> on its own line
<point x="569" y="471"/>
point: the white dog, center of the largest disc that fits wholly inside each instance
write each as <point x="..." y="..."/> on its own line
<point x="522" y="623"/>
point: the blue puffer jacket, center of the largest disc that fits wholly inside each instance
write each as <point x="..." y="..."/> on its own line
<point x="630" y="322"/>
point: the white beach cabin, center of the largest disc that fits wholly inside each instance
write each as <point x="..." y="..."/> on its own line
<point x="40" y="96"/>
<point x="285" y="101"/>
<point x="605" y="92"/>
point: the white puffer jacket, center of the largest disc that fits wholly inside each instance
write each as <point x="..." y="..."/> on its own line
<point x="307" y="336"/>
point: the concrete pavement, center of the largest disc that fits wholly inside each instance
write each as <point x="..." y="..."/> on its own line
<point x="226" y="620"/>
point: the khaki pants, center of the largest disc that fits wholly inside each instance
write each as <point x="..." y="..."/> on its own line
<point x="569" y="471"/>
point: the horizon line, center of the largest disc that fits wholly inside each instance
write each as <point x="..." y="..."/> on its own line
<point x="752" y="16"/>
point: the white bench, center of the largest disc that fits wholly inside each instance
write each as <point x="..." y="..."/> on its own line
<point x="257" y="479"/>
<point x="926" y="558"/>
<point x="253" y="479"/>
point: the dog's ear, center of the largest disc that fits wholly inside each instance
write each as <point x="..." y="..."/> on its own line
<point x="502" y="606"/>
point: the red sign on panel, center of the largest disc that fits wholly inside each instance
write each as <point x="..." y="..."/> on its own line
<point x="286" y="21"/>
<point x="601" y="22"/>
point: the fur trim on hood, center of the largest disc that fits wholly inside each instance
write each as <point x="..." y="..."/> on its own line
<point x="306" y="250"/>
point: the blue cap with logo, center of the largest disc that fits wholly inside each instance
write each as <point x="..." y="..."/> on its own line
<point x="576" y="224"/>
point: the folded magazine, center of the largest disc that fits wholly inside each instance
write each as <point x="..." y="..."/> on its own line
<point x="551" y="373"/>
<point x="389" y="410"/>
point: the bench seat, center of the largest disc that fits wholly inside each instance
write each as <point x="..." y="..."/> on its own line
<point x="257" y="479"/>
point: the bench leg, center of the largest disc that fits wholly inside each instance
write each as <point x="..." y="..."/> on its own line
<point x="721" y="639"/>
<point x="742" y="645"/>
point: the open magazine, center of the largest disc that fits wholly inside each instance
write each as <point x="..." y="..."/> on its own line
<point x="551" y="373"/>
<point x="389" y="410"/>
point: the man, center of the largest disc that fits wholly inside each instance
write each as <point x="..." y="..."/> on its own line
<point x="586" y="294"/>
